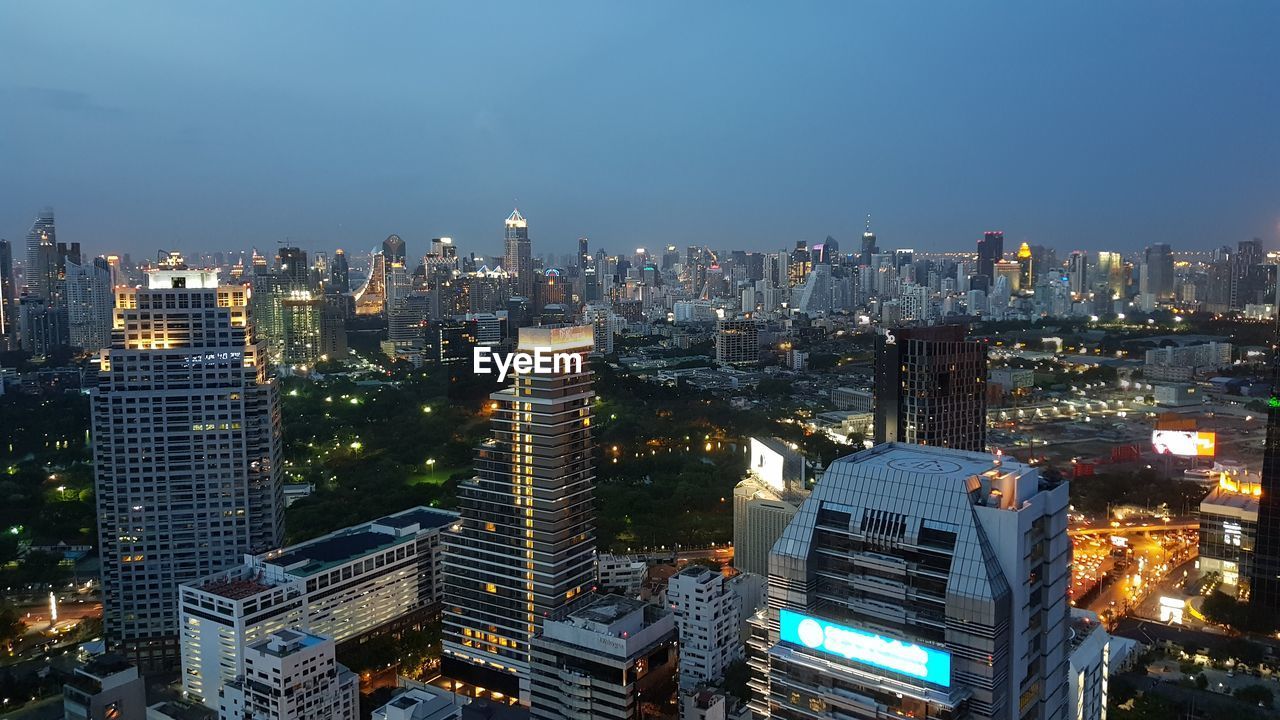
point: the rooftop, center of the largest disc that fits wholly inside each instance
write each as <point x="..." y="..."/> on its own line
<point x="329" y="551"/>
<point x="425" y="518"/>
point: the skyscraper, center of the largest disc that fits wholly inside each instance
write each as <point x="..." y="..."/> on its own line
<point x="990" y="251"/>
<point x="869" y="247"/>
<point x="42" y="256"/>
<point x="584" y="253"/>
<point x="187" y="452"/>
<point x="340" y="272"/>
<point x="8" y="304"/>
<point x="90" y="299"/>
<point x="393" y="249"/>
<point x="1247" y="274"/>
<point x="525" y="546"/>
<point x="519" y="255"/>
<point x="1026" y="271"/>
<point x="931" y="388"/>
<point x="1265" y="586"/>
<point x="919" y="582"/>
<point x="1077" y="271"/>
<point x="1157" y="271"/>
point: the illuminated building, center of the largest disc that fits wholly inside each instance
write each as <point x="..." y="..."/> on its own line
<point x="738" y="342"/>
<point x="526" y="543"/>
<point x="918" y="582"/>
<point x="8" y="299"/>
<point x="1111" y="274"/>
<point x="765" y="501"/>
<point x="1265" y="589"/>
<point x="602" y="658"/>
<point x="1026" y="271"/>
<point x="291" y="675"/>
<point x="518" y="258"/>
<point x="41" y="269"/>
<point x="90" y="299"/>
<point x="931" y="388"/>
<point x="1229" y="529"/>
<point x="376" y="577"/>
<point x="187" y="452"/>
<point x="1091" y="650"/>
<point x="340" y="272"/>
<point x="1010" y="270"/>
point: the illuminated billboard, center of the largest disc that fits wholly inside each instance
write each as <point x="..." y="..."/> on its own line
<point x="1184" y="443"/>
<point x="933" y="666"/>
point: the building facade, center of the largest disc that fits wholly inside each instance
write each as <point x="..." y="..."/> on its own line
<point x="765" y="501"/>
<point x="187" y="452"/>
<point x="708" y="618"/>
<point x="526" y="543"/>
<point x="738" y="342"/>
<point x="931" y="388"/>
<point x="291" y="675"/>
<point x="350" y="583"/>
<point x="601" y="658"/>
<point x="920" y="582"/>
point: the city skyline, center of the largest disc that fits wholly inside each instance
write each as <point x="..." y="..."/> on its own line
<point x="444" y="121"/>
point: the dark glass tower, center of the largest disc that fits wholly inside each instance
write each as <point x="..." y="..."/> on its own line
<point x="931" y="388"/>
<point x="990" y="251"/>
<point x="1264" y="590"/>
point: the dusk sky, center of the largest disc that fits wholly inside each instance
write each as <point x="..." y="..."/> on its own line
<point x="213" y="126"/>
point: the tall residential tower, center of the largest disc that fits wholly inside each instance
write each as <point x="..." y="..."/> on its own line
<point x="518" y="259"/>
<point x="187" y="452"/>
<point x="931" y="388"/>
<point x="526" y="543"/>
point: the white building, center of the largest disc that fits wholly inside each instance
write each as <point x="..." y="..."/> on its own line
<point x="709" y="704"/>
<point x="621" y="573"/>
<point x="601" y="658"/>
<point x="693" y="311"/>
<point x="1090" y="667"/>
<point x="342" y="585"/>
<point x="90" y="302"/>
<point x="291" y="675"/>
<point x="765" y="501"/>
<point x="420" y="703"/>
<point x="601" y="320"/>
<point x="708" y="617"/>
<point x="847" y="398"/>
<point x="187" y="452"/>
<point x="108" y="687"/>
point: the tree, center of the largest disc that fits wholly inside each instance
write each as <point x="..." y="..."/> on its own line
<point x="736" y="677"/>
<point x="11" y="626"/>
<point x="1256" y="694"/>
<point x="1202" y="682"/>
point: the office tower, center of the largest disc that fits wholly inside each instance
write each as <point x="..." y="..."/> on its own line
<point x="363" y="580"/>
<point x="108" y="687"/>
<point x="708" y="619"/>
<point x="518" y="258"/>
<point x="8" y="305"/>
<point x="990" y="251"/>
<point x="1111" y="273"/>
<point x="291" y="266"/>
<point x="601" y="658"/>
<point x="1011" y="271"/>
<point x="738" y="342"/>
<point x="1247" y="279"/>
<point x="765" y="501"/>
<point x="187" y="452"/>
<point x="1026" y="271"/>
<point x="41" y="269"/>
<point x="919" y="582"/>
<point x="526" y="543"/>
<point x="1078" y="273"/>
<point x="90" y="299"/>
<point x="869" y="246"/>
<point x="291" y="675"/>
<point x="42" y="326"/>
<point x="1156" y="277"/>
<point x="340" y="272"/>
<point x="393" y="249"/>
<point x="1265" y="587"/>
<point x="931" y="388"/>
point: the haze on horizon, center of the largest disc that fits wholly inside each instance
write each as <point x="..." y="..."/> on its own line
<point x="737" y="125"/>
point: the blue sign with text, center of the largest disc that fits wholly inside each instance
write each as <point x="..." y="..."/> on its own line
<point x="933" y="666"/>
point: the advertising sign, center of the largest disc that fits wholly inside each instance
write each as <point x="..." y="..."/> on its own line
<point x="1184" y="443"/>
<point x="928" y="664"/>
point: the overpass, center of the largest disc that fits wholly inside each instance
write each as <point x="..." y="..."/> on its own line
<point x="1132" y="529"/>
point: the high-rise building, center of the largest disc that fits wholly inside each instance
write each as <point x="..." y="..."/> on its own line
<point x="8" y="299"/>
<point x="990" y="251"/>
<point x="291" y="675"/>
<point x="600" y="318"/>
<point x="90" y="299"/>
<point x="709" y="619"/>
<point x="602" y="658"/>
<point x="919" y="582"/>
<point x="187" y="452"/>
<point x="738" y="342"/>
<point x="1078" y="273"/>
<point x="340" y="272"/>
<point x="1026" y="269"/>
<point x="765" y="501"/>
<point x="1247" y="277"/>
<point x="1156" y="278"/>
<point x="526" y="542"/>
<point x="393" y="249"/>
<point x="518" y="259"/>
<point x="41" y="269"/>
<point x="1111" y="274"/>
<point x="1265" y="586"/>
<point x="363" y="580"/>
<point x="931" y="388"/>
<point x="292" y="268"/>
<point x="584" y="253"/>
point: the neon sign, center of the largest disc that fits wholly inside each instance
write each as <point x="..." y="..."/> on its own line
<point x="900" y="656"/>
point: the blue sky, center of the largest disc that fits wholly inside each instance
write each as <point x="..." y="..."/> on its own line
<point x="1081" y="125"/>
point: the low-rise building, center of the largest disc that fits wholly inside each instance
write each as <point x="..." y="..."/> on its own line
<point x="621" y="573"/>
<point x="360" y="580"/>
<point x="1228" y="528"/>
<point x="711" y="704"/>
<point x="419" y="703"/>
<point x="708" y="617"/>
<point x="847" y="398"/>
<point x="107" y="688"/>
<point x="600" y="658"/>
<point x="291" y="675"/>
